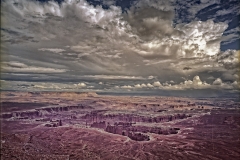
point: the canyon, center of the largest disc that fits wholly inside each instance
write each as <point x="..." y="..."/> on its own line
<point x="69" y="125"/>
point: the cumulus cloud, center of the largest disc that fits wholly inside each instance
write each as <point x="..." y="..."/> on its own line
<point x="80" y="85"/>
<point x="229" y="59"/>
<point x="151" y="77"/>
<point x="126" y="87"/>
<point x="218" y="81"/>
<point x="43" y="86"/>
<point x="235" y="85"/>
<point x="140" y="85"/>
<point x="196" y="83"/>
<point x="157" y="84"/>
<point x="219" y="84"/>
<point x="195" y="39"/>
<point x="150" y="85"/>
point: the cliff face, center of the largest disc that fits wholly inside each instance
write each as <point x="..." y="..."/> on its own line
<point x="134" y="118"/>
<point x="138" y="133"/>
<point x="39" y="112"/>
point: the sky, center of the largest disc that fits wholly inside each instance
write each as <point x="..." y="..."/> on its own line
<point x="138" y="47"/>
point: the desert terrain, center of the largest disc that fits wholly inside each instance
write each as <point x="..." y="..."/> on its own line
<point x="69" y="125"/>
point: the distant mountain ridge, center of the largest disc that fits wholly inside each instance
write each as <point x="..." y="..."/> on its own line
<point x="50" y="93"/>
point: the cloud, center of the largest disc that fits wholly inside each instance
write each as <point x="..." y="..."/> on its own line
<point x="223" y="12"/>
<point x="43" y="86"/>
<point x="144" y="22"/>
<point x="150" y="85"/>
<point x="151" y="77"/>
<point x="113" y="56"/>
<point x="218" y="81"/>
<point x="126" y="87"/>
<point x="190" y="40"/>
<point x="230" y="76"/>
<point x="109" y="2"/>
<point x="13" y="66"/>
<point x="54" y="50"/>
<point x="80" y="85"/>
<point x="140" y="85"/>
<point x="235" y="85"/>
<point x="194" y="9"/>
<point x="113" y="77"/>
<point x="137" y="86"/>
<point x="157" y="84"/>
<point x="229" y="59"/>
<point x="218" y="84"/>
<point x="196" y="83"/>
<point x="211" y="77"/>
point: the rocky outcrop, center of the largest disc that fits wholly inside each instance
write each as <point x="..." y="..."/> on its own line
<point x="99" y="125"/>
<point x="54" y="123"/>
<point x="138" y="136"/>
<point x="6" y="115"/>
<point x="136" y="132"/>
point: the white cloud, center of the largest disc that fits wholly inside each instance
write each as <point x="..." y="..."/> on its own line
<point x="113" y="77"/>
<point x="137" y="86"/>
<point x="143" y="85"/>
<point x="126" y="87"/>
<point x="157" y="84"/>
<point x="14" y="66"/>
<point x="193" y="10"/>
<point x="219" y="84"/>
<point x="229" y="59"/>
<point x="211" y="77"/>
<point x="197" y="80"/>
<point x="202" y="37"/>
<point x="113" y="56"/>
<point x="150" y="85"/>
<point x="235" y="85"/>
<point x="172" y="81"/>
<point x="80" y="85"/>
<point x="54" y="50"/>
<point x="218" y="81"/>
<point x="196" y="83"/>
<point x="43" y="86"/>
<point x="140" y="85"/>
<point x="151" y="77"/>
